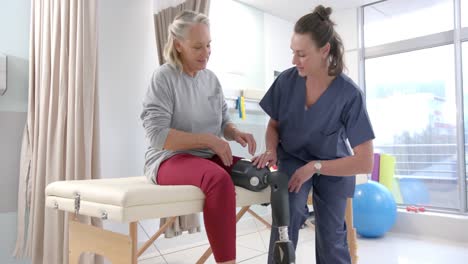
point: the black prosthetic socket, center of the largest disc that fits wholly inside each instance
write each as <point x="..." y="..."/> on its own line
<point x="244" y="174"/>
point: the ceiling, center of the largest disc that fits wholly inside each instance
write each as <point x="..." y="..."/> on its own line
<point x="292" y="10"/>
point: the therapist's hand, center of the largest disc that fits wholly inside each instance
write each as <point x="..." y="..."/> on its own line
<point x="300" y="176"/>
<point x="246" y="139"/>
<point x="268" y="157"/>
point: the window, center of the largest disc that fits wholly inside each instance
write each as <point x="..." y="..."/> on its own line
<point x="411" y="102"/>
<point x="396" y="20"/>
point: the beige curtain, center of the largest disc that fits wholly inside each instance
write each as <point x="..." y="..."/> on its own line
<point x="162" y="20"/>
<point x="60" y="139"/>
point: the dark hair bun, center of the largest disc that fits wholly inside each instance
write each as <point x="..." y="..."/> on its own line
<point x="323" y="12"/>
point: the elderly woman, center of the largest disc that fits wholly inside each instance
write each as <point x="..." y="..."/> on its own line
<point x="185" y="117"/>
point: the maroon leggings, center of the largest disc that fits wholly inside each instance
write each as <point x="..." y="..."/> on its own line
<point x="219" y="212"/>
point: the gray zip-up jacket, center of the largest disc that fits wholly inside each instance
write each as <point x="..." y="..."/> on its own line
<point x="178" y="101"/>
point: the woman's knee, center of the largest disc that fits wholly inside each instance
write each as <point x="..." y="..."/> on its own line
<point x="220" y="181"/>
<point x="225" y="182"/>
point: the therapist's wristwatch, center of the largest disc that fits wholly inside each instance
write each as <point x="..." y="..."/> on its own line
<point x="317" y="167"/>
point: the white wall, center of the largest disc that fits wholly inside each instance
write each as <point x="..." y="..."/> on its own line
<point x="278" y="54"/>
<point x="249" y="45"/>
<point x="127" y="59"/>
<point x="346" y="21"/>
<point x="237" y="55"/>
<point x="14" y="42"/>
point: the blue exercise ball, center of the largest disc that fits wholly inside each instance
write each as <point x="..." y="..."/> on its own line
<point x="374" y="209"/>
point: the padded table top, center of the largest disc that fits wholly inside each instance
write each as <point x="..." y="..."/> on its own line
<point x="134" y="198"/>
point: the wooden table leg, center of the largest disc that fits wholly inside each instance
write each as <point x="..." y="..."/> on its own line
<point x="351" y="231"/>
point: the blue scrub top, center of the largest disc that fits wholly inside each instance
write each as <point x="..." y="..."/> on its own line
<point x="321" y="131"/>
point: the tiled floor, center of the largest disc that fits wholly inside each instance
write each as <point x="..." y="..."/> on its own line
<point x="252" y="244"/>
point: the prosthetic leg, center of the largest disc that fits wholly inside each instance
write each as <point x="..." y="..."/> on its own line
<point x="246" y="175"/>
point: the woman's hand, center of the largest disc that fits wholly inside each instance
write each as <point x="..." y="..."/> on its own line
<point x="221" y="148"/>
<point x="300" y="176"/>
<point x="268" y="157"/>
<point x="246" y="139"/>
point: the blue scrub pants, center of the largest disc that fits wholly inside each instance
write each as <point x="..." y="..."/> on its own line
<point x="331" y="246"/>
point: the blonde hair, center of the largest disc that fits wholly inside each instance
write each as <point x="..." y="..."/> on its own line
<point x="178" y="30"/>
